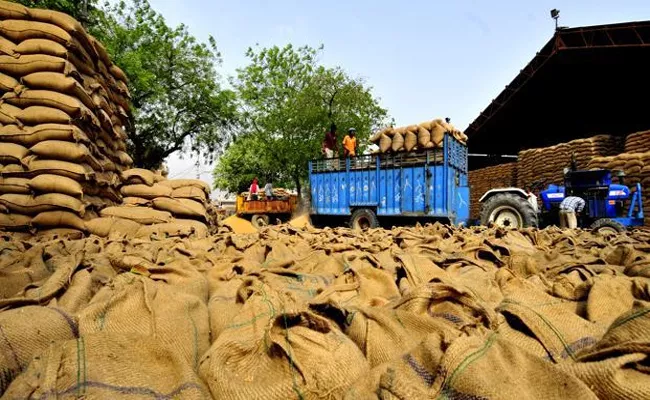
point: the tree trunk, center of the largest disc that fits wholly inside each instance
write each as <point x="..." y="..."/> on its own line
<point x="298" y="187"/>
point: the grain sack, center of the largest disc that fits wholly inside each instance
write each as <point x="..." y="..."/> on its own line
<point x="136" y="201"/>
<point x="147" y="192"/>
<point x="179" y="183"/>
<point x="106" y="226"/>
<point x="47" y="98"/>
<point x="47" y="183"/>
<point x="62" y="20"/>
<point x="12" y="169"/>
<point x="26" y="332"/>
<point x="141" y="215"/>
<point x="410" y="141"/>
<point x="138" y="176"/>
<point x="31" y="135"/>
<point x="424" y="136"/>
<point x="14" y="185"/>
<point x="190" y="192"/>
<point x="384" y="143"/>
<point x="29" y="64"/>
<point x="124" y="158"/>
<point x="398" y="142"/>
<point x="8" y="84"/>
<point x="180" y="207"/>
<point x="8" y="47"/>
<point x="11" y="153"/>
<point x="305" y="355"/>
<point x="44" y="115"/>
<point x="78" y="172"/>
<point x="8" y="113"/>
<point x="62" y="150"/>
<point x="15" y="221"/>
<point x="109" y="366"/>
<point x="437" y="135"/>
<point x="170" y="229"/>
<point x="18" y="31"/>
<point x="428" y="125"/>
<point x="10" y="10"/>
<point x="58" y="219"/>
<point x="26" y="204"/>
<point x="41" y="46"/>
<point x="58" y="82"/>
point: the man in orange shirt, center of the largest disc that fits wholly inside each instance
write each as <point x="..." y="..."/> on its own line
<point x="350" y="143"/>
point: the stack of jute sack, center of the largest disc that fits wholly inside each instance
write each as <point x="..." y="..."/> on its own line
<point x="286" y="313"/>
<point x="484" y="179"/>
<point x="427" y="135"/>
<point x="638" y="142"/>
<point x="547" y="164"/>
<point x="63" y="109"/>
<point x="155" y="205"/>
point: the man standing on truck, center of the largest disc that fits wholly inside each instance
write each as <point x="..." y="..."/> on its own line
<point x="350" y="143"/>
<point x="329" y="145"/>
<point x="569" y="208"/>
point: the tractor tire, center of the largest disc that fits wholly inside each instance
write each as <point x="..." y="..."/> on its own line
<point x="606" y="226"/>
<point x="509" y="211"/>
<point x="260" y="220"/>
<point x="363" y="219"/>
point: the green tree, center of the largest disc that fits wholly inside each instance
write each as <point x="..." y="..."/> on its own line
<point x="177" y="100"/>
<point x="83" y="10"/>
<point x="288" y="100"/>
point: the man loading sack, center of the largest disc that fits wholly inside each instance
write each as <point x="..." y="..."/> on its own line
<point x="569" y="208"/>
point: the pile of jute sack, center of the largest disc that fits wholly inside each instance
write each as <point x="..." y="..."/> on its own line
<point x="484" y="179"/>
<point x="427" y="135"/>
<point x="153" y="204"/>
<point x="288" y="313"/>
<point x="63" y="109"/>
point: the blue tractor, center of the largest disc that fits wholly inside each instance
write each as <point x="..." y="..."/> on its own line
<point x="605" y="209"/>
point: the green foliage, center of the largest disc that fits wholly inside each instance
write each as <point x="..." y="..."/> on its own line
<point x="83" y="10"/>
<point x="178" y="103"/>
<point x="288" y="101"/>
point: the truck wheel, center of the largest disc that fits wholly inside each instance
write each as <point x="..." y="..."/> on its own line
<point x="260" y="220"/>
<point x="606" y="226"/>
<point x="508" y="210"/>
<point x="363" y="218"/>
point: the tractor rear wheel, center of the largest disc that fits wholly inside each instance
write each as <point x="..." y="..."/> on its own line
<point x="509" y="211"/>
<point x="260" y="220"/>
<point x="607" y="226"/>
<point x="362" y="219"/>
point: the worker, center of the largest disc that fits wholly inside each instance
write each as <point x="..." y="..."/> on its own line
<point x="569" y="208"/>
<point x="252" y="191"/>
<point x="329" y="145"/>
<point x="268" y="190"/>
<point x="350" y="143"/>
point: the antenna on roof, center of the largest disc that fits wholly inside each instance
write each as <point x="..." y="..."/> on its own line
<point x="555" y="14"/>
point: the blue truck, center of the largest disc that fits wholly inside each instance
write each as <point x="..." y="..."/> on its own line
<point x="431" y="184"/>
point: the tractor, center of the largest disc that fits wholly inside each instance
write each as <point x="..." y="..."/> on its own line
<point x="605" y="203"/>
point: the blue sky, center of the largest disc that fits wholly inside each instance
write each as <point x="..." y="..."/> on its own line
<point x="424" y="59"/>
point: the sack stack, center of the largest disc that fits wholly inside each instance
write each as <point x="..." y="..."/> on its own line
<point x="154" y="205"/>
<point x="484" y="179"/>
<point x="63" y="109"/>
<point x="548" y="163"/>
<point x="427" y="135"/>
<point x="638" y="142"/>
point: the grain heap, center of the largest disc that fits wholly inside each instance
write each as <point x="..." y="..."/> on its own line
<point x="548" y="163"/>
<point x="427" y="135"/>
<point x="484" y="179"/>
<point x="408" y="313"/>
<point x="63" y="109"/>
<point x="156" y="205"/>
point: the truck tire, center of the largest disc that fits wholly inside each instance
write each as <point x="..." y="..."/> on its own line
<point x="260" y="220"/>
<point x="508" y="210"/>
<point x="363" y="218"/>
<point x="607" y="226"/>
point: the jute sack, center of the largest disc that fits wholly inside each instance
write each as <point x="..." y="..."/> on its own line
<point x="14" y="221"/>
<point x="137" y="305"/>
<point x="48" y="183"/>
<point x="385" y="143"/>
<point x="109" y="366"/>
<point x="26" y="332"/>
<point x="398" y="142"/>
<point x="78" y="172"/>
<point x="469" y="367"/>
<point x="58" y="219"/>
<point x="10" y="10"/>
<point x="410" y="141"/>
<point x="18" y="31"/>
<point x="177" y="228"/>
<point x="62" y="150"/>
<point x="137" y="201"/>
<point x="146" y="192"/>
<point x="9" y="84"/>
<point x="62" y="20"/>
<point x="107" y="226"/>
<point x="179" y="183"/>
<point x="616" y="366"/>
<point x="124" y="158"/>
<point x="41" y="46"/>
<point x="180" y="207"/>
<point x="190" y="192"/>
<point x="28" y="64"/>
<point x="138" y="176"/>
<point x="304" y="355"/>
<point x="427" y="125"/>
<point x="47" y="98"/>
<point x="424" y="136"/>
<point x="8" y="47"/>
<point x="11" y="153"/>
<point x="36" y="115"/>
<point x="437" y="135"/>
<point x="141" y="215"/>
<point x="58" y="82"/>
<point x="9" y="114"/>
<point x="14" y="185"/>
